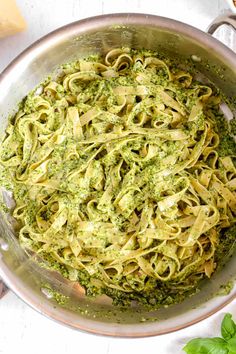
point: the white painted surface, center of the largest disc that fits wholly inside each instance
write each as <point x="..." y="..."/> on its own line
<point x="22" y="330"/>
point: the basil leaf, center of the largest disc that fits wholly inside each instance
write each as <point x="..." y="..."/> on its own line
<point x="232" y="345"/>
<point x="206" y="346"/>
<point x="228" y="327"/>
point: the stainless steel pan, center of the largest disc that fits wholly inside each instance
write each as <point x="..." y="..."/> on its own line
<point x="99" y="34"/>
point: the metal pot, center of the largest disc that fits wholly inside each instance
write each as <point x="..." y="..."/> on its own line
<point x="98" y="35"/>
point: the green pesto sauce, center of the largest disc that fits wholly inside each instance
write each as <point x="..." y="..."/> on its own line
<point x="233" y="126"/>
<point x="225" y="289"/>
<point x="156" y="293"/>
<point x="227" y="146"/>
<point x="60" y="299"/>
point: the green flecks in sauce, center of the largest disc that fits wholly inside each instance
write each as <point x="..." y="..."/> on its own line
<point x="148" y="291"/>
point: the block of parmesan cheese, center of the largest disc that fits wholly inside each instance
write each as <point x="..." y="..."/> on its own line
<point x="11" y="20"/>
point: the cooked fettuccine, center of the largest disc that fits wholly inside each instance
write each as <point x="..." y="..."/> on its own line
<point x="118" y="178"/>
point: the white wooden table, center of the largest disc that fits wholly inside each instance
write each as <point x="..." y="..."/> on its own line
<point x="22" y="330"/>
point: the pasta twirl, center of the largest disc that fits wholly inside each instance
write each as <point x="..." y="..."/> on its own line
<point x="118" y="178"/>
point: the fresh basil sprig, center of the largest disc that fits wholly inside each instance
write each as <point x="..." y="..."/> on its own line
<point x="217" y="345"/>
<point x="228" y="327"/>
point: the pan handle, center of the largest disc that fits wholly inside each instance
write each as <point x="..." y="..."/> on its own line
<point x="3" y="289"/>
<point x="227" y="19"/>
